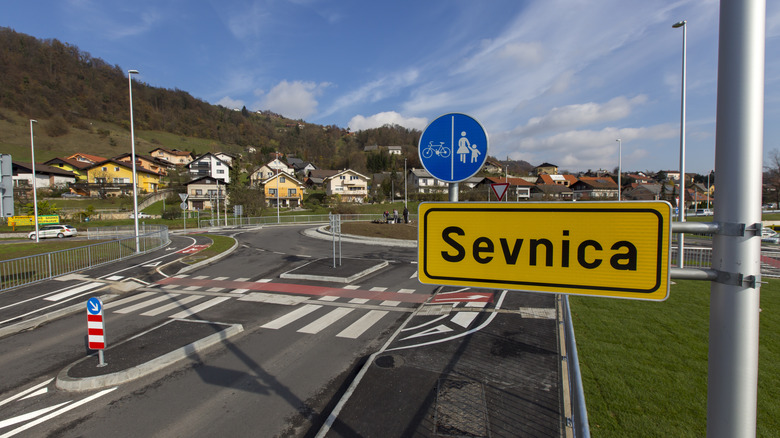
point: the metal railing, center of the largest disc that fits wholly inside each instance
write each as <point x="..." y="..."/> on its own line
<point x="291" y="219"/>
<point x="32" y="269"/>
<point x="579" y="410"/>
<point x="701" y="257"/>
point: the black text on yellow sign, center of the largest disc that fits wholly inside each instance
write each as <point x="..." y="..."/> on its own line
<point x="614" y="249"/>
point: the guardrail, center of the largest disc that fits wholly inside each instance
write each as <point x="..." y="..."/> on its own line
<point x="32" y="269"/>
<point x="579" y="411"/>
<point x="701" y="257"/>
<point x="291" y="219"/>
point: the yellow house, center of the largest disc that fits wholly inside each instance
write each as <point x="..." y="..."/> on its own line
<point x="282" y="189"/>
<point x="79" y="168"/>
<point x="113" y="178"/>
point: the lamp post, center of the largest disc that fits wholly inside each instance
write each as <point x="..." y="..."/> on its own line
<point x="130" y="74"/>
<point x="34" y="180"/>
<point x="405" y="198"/>
<point x="620" y="167"/>
<point x="681" y="204"/>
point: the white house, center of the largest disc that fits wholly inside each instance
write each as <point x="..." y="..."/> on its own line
<point x="209" y="164"/>
<point x="45" y="176"/>
<point x="424" y="182"/>
<point x="349" y="185"/>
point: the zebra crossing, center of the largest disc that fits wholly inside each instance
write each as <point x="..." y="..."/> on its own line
<point x="352" y="309"/>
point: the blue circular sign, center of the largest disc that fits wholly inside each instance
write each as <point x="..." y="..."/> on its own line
<point x="94" y="306"/>
<point x="453" y="147"/>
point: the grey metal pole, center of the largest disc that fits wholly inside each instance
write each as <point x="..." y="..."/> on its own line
<point x="681" y="204"/>
<point x="454" y="192"/>
<point x="734" y="308"/>
<point x="130" y="74"/>
<point x="34" y="180"/>
<point x="620" y="167"/>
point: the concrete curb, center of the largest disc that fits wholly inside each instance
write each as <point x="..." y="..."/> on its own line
<point x="67" y="383"/>
<point x="322" y="234"/>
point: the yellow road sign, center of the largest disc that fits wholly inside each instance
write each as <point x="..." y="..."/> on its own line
<point x="612" y="249"/>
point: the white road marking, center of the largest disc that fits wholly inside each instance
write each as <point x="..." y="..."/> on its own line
<point x="358" y="300"/>
<point x="331" y="317"/>
<point x="115" y="277"/>
<point x="147" y="303"/>
<point x="199" y="308"/>
<point x="124" y="301"/>
<point x="29" y="415"/>
<point x="361" y="325"/>
<point x="74" y="291"/>
<point x="328" y="298"/>
<point x="177" y="303"/>
<point x="25" y="392"/>
<point x="56" y="413"/>
<point x="291" y="317"/>
<point x="464" y="319"/>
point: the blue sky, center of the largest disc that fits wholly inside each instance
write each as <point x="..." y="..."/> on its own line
<point x="550" y="80"/>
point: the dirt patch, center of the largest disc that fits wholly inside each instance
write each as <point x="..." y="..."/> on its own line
<point x="387" y="231"/>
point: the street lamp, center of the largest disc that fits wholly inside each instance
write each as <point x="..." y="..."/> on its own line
<point x="681" y="204"/>
<point x="34" y="180"/>
<point x="620" y="166"/>
<point x="130" y="74"/>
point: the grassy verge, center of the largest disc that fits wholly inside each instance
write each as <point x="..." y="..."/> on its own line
<point x="219" y="244"/>
<point x="15" y="250"/>
<point x="644" y="364"/>
<point x="387" y="231"/>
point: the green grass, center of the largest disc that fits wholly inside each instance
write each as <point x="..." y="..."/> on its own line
<point x="219" y="244"/>
<point x="644" y="364"/>
<point x="15" y="250"/>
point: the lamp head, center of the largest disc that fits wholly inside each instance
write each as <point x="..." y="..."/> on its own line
<point x="679" y="24"/>
<point x="33" y="121"/>
<point x="132" y="72"/>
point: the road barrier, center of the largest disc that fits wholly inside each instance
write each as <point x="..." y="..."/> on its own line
<point x="292" y="219"/>
<point x="32" y="269"/>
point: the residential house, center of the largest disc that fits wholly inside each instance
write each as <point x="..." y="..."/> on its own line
<point x="175" y="156"/>
<point x="395" y="150"/>
<point x="209" y="164"/>
<point x="642" y="192"/>
<point x="226" y="157"/>
<point x="45" y="176"/>
<point x="283" y="190"/>
<point x="551" y="192"/>
<point x="554" y="179"/>
<point x="639" y="178"/>
<point x="203" y="193"/>
<point x="550" y="169"/>
<point x="300" y="167"/>
<point x="348" y="185"/>
<point x="158" y="165"/>
<point x="493" y="166"/>
<point x="316" y="178"/>
<point x="595" y="187"/>
<point x="114" y="178"/>
<point x="78" y="168"/>
<point x="519" y="188"/>
<point x="422" y="181"/>
<point x="87" y="158"/>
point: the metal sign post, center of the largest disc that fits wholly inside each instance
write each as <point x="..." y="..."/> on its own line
<point x="96" y="334"/>
<point x="732" y="378"/>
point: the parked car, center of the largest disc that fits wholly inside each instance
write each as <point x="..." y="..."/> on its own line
<point x="53" y="231"/>
<point x="704" y="212"/>
<point x="769" y="235"/>
<point x="71" y="195"/>
<point x="141" y="215"/>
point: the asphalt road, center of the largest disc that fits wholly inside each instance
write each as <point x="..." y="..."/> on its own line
<point x="279" y="377"/>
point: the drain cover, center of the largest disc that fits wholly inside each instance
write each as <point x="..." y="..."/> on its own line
<point x="461" y="410"/>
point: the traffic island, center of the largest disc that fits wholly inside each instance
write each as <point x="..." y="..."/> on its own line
<point x="324" y="270"/>
<point x="145" y="353"/>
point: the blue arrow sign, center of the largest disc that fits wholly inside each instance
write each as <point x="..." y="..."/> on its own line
<point x="453" y="147"/>
<point x="94" y="306"/>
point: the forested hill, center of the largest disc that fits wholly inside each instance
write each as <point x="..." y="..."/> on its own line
<point x="57" y="82"/>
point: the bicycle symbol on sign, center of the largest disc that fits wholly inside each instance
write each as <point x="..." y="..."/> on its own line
<point x="440" y="150"/>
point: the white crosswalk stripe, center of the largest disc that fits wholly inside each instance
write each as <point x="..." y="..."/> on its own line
<point x="325" y="321"/>
<point x="361" y="325"/>
<point x="145" y="304"/>
<point x="176" y="304"/>
<point x="199" y="308"/>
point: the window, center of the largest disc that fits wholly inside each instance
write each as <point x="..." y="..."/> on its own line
<point x="198" y="192"/>
<point x="105" y="169"/>
<point x="121" y="180"/>
<point x="353" y="177"/>
<point x="282" y="180"/>
<point x="100" y="180"/>
<point x="292" y="192"/>
<point x="116" y="168"/>
<point x="272" y="192"/>
<point x="342" y="177"/>
<point x="220" y="171"/>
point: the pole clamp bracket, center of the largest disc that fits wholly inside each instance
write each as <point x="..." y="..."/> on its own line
<point x="737" y="279"/>
<point x="741" y="230"/>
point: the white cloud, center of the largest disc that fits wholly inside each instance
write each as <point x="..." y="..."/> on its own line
<point x="359" y="123"/>
<point x="228" y="102"/>
<point x="375" y="90"/>
<point x="296" y="100"/>
<point x="573" y="116"/>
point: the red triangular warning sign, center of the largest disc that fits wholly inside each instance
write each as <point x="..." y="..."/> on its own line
<point x="499" y="189"/>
